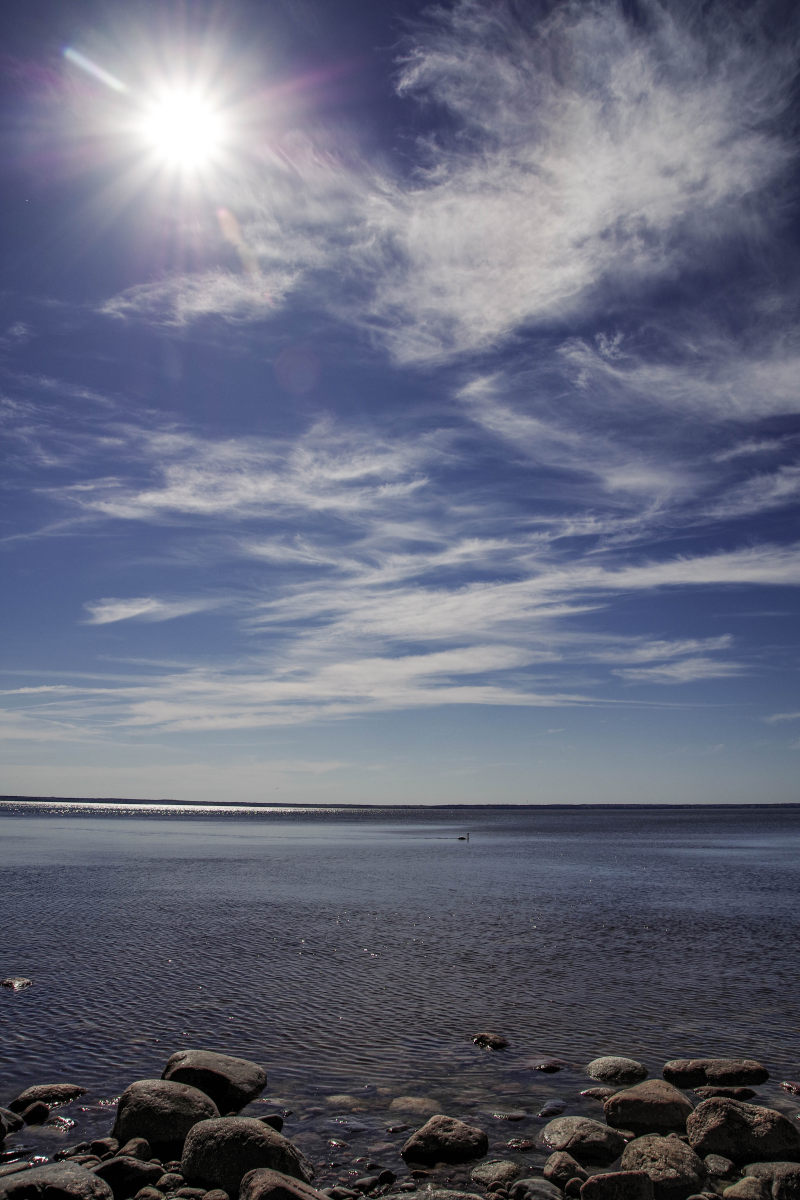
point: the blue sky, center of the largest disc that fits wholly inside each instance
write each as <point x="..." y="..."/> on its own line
<point x="435" y="438"/>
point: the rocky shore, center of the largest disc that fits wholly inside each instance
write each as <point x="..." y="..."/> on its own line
<point x="700" y="1129"/>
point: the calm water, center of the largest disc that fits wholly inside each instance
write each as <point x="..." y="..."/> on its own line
<point x="359" y="951"/>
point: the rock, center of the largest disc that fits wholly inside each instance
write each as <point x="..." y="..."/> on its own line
<point x="265" y="1184"/>
<point x="723" y="1072"/>
<point x="783" y="1178"/>
<point x="585" y="1139"/>
<point x="551" y="1109"/>
<point x="10" y="1122"/>
<point x="170" y="1181"/>
<point x="520" y="1144"/>
<point x="220" y="1152"/>
<point x="55" y="1181"/>
<point x="548" y="1065"/>
<point x="104" y="1146"/>
<point x="499" y="1170"/>
<point x="36" y="1113"/>
<point x="47" y="1093"/>
<point x="674" y="1168"/>
<point x="791" y="1087"/>
<point x="126" y="1175"/>
<point x="612" y="1069"/>
<point x="561" y="1167"/>
<point x="718" y="1165"/>
<point x="450" y="1194"/>
<point x="148" y="1193"/>
<point x="618" y="1185"/>
<point x="732" y="1093"/>
<point x="421" y="1106"/>
<point x="16" y="983"/>
<point x="218" y="1194"/>
<point x="742" y="1132"/>
<point x="137" y="1147"/>
<point x="654" y="1106"/>
<point x="504" y="1114"/>
<point x="12" y="1168"/>
<point x="230" y="1082"/>
<point x="490" y="1041"/>
<point x="748" y="1189"/>
<point x="599" y="1093"/>
<point x="445" y="1139"/>
<point x="534" y="1188"/>
<point x="162" y="1111"/>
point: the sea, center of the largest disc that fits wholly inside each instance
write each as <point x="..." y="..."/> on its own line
<point x="356" y="952"/>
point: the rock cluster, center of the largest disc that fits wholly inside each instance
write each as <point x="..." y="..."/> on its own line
<point x="184" y="1137"/>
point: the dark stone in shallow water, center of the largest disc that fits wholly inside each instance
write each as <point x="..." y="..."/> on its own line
<point x="720" y="1072"/>
<point x="219" y="1152"/>
<point x="490" y="1041"/>
<point x="230" y="1082"/>
<point x="445" y="1139"/>
<point x="266" y="1184"/>
<point x="16" y="983"/>
<point x="46" y="1093"/>
<point x="162" y="1111"/>
<point x="743" y="1132"/>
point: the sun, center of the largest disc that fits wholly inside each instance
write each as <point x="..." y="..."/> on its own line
<point x="183" y="129"/>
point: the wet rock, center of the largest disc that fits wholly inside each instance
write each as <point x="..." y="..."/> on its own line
<point x="790" y="1086"/>
<point x="721" y="1072"/>
<point x="162" y="1111"/>
<point x="218" y="1153"/>
<point x="552" y="1108"/>
<point x="106" y="1146"/>
<point x="445" y="1139"/>
<point x="654" y="1106"/>
<point x="732" y="1093"/>
<point x="618" y="1185"/>
<point x="10" y="1122"/>
<point x="718" y="1165"/>
<point x="748" y="1189"/>
<point x="561" y="1167"/>
<point x="126" y="1175"/>
<point x="534" y="1188"/>
<point x="613" y="1069"/>
<point x="674" y="1168"/>
<point x="46" y="1093"/>
<point x="549" y="1065"/>
<point x="498" y="1171"/>
<point x="585" y="1139"/>
<point x="598" y="1093"/>
<point x="490" y="1041"/>
<point x="514" y="1114"/>
<point x="520" y="1144"/>
<point x="13" y="1168"/>
<point x="36" y="1113"/>
<point x="137" y="1147"/>
<point x="743" y="1132"/>
<point x="230" y="1082"/>
<point x="420" y="1106"/>
<point x="783" y="1178"/>
<point x="55" y="1181"/>
<point x="16" y="983"/>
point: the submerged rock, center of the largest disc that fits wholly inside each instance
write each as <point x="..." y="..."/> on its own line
<point x="613" y="1069"/>
<point x="743" y="1132"/>
<point x="16" y="983"/>
<point x="674" y="1168"/>
<point x="421" y="1106"/>
<point x="584" y="1139"/>
<point x="230" y="1082"/>
<point x="499" y="1170"/>
<point x="218" y="1153"/>
<point x="654" y="1106"/>
<point x="445" y="1139"/>
<point x="490" y="1041"/>
<point x="721" y="1072"/>
<point x="162" y="1111"/>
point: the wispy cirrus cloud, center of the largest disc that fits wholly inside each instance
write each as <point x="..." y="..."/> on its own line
<point x="144" y="608"/>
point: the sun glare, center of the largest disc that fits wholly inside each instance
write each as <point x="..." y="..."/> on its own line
<point x="183" y="129"/>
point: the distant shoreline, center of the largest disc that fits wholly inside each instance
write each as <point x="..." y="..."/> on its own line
<point x="788" y="804"/>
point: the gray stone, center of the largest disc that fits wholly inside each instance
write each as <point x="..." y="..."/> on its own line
<point x="722" y="1072"/>
<point x="498" y="1170"/>
<point x="618" y="1185"/>
<point x="162" y="1111"/>
<point x="55" y="1181"/>
<point x="674" y="1168"/>
<point x="743" y="1132"/>
<point x="219" y="1153"/>
<point x="783" y="1178"/>
<point x="599" y="1093"/>
<point x="218" y="1194"/>
<point x="748" y="1188"/>
<point x="613" y="1069"/>
<point x="534" y="1188"/>
<point x="230" y="1082"/>
<point x="264" y="1184"/>
<point x="445" y="1139"/>
<point x="149" y="1193"/>
<point x="718" y="1165"/>
<point x="126" y="1175"/>
<point x="654" y="1106"/>
<point x="561" y="1167"/>
<point x="47" y="1093"/>
<point x="585" y="1139"/>
<point x="733" y="1093"/>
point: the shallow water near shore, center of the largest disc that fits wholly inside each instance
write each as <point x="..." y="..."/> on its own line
<point x="354" y="953"/>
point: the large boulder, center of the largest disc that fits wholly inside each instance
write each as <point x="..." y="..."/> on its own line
<point x="584" y="1139"/>
<point x="47" y="1093"/>
<point x="162" y="1111"/>
<point x="742" y="1132"/>
<point x="230" y="1082"/>
<point x="783" y="1178"/>
<point x="218" y="1153"/>
<point x="264" y="1184"/>
<point x="722" y="1072"/>
<point x="674" y="1169"/>
<point x="611" y="1068"/>
<point x="445" y="1139"/>
<point x="618" y="1185"/>
<point x="654" y="1106"/>
<point x="55" y="1181"/>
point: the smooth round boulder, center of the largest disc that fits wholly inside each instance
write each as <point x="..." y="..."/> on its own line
<point x="561" y="1167"/>
<point x="722" y="1072"/>
<point x="613" y="1069"/>
<point x="162" y="1111"/>
<point x="654" y="1106"/>
<point x="743" y="1132"/>
<point x="445" y="1139"/>
<point x="230" y="1082"/>
<point x="618" y="1185"/>
<point x="218" y="1153"/>
<point x="748" y="1189"/>
<point x="674" y="1169"/>
<point x="264" y="1184"/>
<point x="498" y="1171"/>
<point x="584" y="1139"/>
<point x="61" y="1180"/>
<point x="46" y="1093"/>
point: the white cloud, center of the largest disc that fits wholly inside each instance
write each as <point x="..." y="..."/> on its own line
<point x="144" y="608"/>
<point x="687" y="670"/>
<point x="775" y="718"/>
